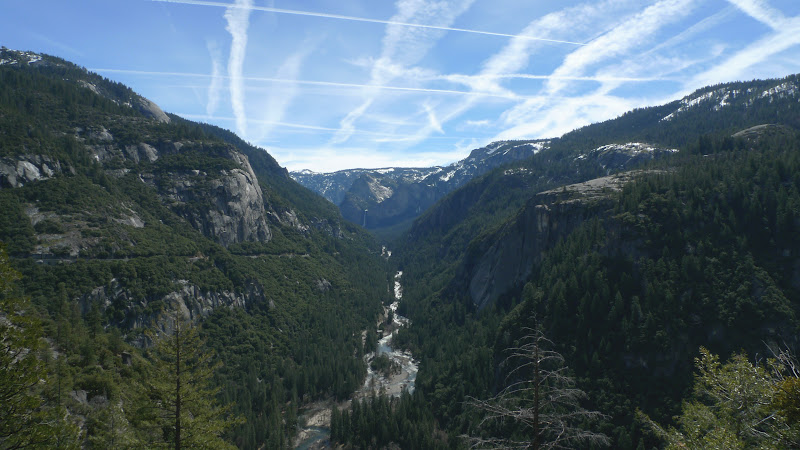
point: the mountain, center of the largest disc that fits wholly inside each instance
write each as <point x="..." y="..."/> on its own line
<point x="604" y="148"/>
<point x="390" y="198"/>
<point x="630" y="244"/>
<point x="628" y="259"/>
<point x="123" y="219"/>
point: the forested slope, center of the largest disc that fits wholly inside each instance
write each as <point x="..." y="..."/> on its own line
<point x="123" y="220"/>
<point x="628" y="275"/>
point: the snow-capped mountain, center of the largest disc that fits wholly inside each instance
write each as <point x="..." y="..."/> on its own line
<point x="732" y="95"/>
<point x="378" y="198"/>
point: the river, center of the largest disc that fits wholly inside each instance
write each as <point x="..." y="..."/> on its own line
<point x="316" y="418"/>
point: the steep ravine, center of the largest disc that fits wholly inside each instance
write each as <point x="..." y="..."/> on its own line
<point x="316" y="419"/>
<point x="504" y="259"/>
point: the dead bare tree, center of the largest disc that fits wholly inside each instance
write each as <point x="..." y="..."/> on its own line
<point x="541" y="399"/>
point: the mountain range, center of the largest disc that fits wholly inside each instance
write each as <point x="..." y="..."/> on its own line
<point x="390" y="198"/>
<point x="630" y="244"/>
<point x="628" y="267"/>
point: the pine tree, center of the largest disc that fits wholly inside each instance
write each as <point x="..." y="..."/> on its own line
<point x="111" y="428"/>
<point x="25" y="419"/>
<point x="540" y="406"/>
<point x="737" y="404"/>
<point x="181" y="408"/>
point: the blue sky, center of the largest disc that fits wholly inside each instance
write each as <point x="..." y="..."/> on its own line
<point x="328" y="85"/>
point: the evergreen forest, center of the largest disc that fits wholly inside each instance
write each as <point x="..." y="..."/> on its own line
<point x="164" y="283"/>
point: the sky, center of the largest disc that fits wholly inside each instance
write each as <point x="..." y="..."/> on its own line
<point x="335" y="84"/>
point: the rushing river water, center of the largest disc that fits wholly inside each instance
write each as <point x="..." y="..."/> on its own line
<point x="317" y="418"/>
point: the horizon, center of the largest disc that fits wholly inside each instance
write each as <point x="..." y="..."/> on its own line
<point x="413" y="83"/>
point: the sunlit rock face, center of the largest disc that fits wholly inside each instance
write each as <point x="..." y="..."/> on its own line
<point x="227" y="206"/>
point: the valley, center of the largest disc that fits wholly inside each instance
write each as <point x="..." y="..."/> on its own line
<point x="652" y="253"/>
<point x="315" y="428"/>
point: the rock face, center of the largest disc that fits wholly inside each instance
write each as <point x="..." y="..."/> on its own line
<point x="614" y="157"/>
<point x="19" y="171"/>
<point x="380" y="198"/>
<point x="150" y="109"/>
<point x="756" y="133"/>
<point x="506" y="257"/>
<point x="228" y="206"/>
<point x="209" y="183"/>
<point x="189" y="301"/>
<point x="141" y="152"/>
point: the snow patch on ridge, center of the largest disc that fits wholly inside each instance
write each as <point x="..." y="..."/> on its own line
<point x="447" y="176"/>
<point x="688" y="103"/>
<point x="782" y="90"/>
<point x="631" y="148"/>
<point x="725" y="96"/>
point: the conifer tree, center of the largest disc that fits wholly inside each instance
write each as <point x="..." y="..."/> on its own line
<point x="540" y="406"/>
<point x="737" y="404"/>
<point x="181" y="408"/>
<point x="25" y="419"/>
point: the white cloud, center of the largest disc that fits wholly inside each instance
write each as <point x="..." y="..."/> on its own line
<point x="433" y="122"/>
<point x="347" y="125"/>
<point x="238" y="19"/>
<point x="556" y="118"/>
<point x="755" y="53"/>
<point x="403" y="47"/>
<point x="574" y="21"/>
<point x="473" y="124"/>
<point x="298" y="127"/>
<point x="56" y="43"/>
<point x="332" y="159"/>
<point x="280" y="99"/>
<point x="691" y="33"/>
<point x="629" y="34"/>
<point x="323" y="84"/>
<point x="548" y="117"/>
<point x="761" y="11"/>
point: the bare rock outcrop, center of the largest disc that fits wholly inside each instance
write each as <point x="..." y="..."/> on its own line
<point x="227" y="206"/>
<point x="19" y="171"/>
<point x="150" y="109"/>
<point x="187" y="302"/>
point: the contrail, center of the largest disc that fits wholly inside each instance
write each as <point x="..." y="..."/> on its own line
<point x="393" y="88"/>
<point x="362" y="19"/>
<point x="238" y="18"/>
<point x="312" y="83"/>
<point x="216" y="80"/>
<point x="579" y="78"/>
<point x="525" y="76"/>
<point x="301" y="126"/>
